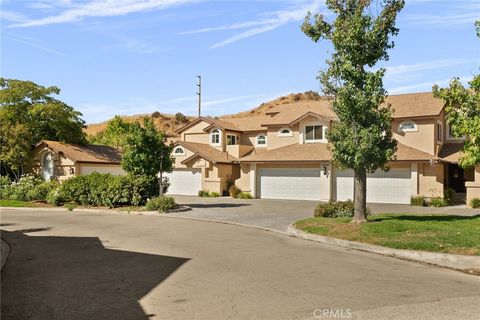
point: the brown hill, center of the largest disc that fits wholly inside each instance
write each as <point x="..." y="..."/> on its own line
<point x="169" y="123"/>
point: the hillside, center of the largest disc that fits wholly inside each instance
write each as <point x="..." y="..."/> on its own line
<point x="169" y="123"/>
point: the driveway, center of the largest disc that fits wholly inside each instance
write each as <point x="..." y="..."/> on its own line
<point x="77" y="265"/>
<point x="278" y="214"/>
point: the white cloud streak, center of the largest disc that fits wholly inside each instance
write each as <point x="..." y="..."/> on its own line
<point x="460" y="13"/>
<point x="32" y="42"/>
<point x="98" y="8"/>
<point x="269" y="21"/>
<point x="425" y="86"/>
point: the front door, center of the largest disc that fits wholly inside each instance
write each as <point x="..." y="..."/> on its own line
<point x="456" y="179"/>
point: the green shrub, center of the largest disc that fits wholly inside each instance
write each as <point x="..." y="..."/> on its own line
<point x="234" y="191"/>
<point x="41" y="191"/>
<point x="107" y="190"/>
<point x="245" y="195"/>
<point x="5" y="182"/>
<point x="448" y="195"/>
<point x="54" y="197"/>
<point x="203" y="193"/>
<point x="438" y="202"/>
<point x="418" y="201"/>
<point x="19" y="190"/>
<point x="161" y="204"/>
<point x="214" y="194"/>
<point x="475" y="203"/>
<point x="336" y="209"/>
<point x="70" y="206"/>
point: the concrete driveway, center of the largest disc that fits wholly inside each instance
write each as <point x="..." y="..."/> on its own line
<point x="278" y="214"/>
<point x="77" y="265"/>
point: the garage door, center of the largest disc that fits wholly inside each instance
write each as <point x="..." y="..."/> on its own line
<point x="393" y="186"/>
<point x="115" y="170"/>
<point x="285" y="183"/>
<point x="185" y="181"/>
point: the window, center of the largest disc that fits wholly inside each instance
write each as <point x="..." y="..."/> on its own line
<point x="314" y="133"/>
<point x="215" y="137"/>
<point x="231" y="139"/>
<point x="451" y="136"/>
<point x="285" y="132"/>
<point x="178" y="151"/>
<point x="439" y="132"/>
<point x="261" y="140"/>
<point x="408" y="126"/>
<point x="47" y="166"/>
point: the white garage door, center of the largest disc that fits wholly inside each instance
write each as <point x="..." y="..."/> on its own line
<point x="286" y="183"/>
<point x="393" y="186"/>
<point x="185" y="181"/>
<point x="115" y="170"/>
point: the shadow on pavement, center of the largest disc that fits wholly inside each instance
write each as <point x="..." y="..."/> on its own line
<point x="48" y="277"/>
<point x="216" y="205"/>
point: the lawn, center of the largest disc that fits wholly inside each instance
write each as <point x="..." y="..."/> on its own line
<point x="437" y="233"/>
<point x="14" y="203"/>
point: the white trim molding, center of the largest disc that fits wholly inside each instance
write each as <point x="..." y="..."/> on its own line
<point x="215" y="131"/>
<point x="310" y="124"/>
<point x="260" y="145"/>
<point x="180" y="149"/>
<point x="285" y="132"/>
<point x="412" y="128"/>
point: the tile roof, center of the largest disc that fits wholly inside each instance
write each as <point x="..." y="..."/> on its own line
<point x="253" y="123"/>
<point x="287" y="113"/>
<point x="320" y="152"/>
<point x="415" y="105"/>
<point x="224" y="125"/>
<point x="208" y="152"/>
<point x="451" y="152"/>
<point x="84" y="153"/>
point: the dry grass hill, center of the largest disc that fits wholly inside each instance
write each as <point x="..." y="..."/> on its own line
<point x="169" y="123"/>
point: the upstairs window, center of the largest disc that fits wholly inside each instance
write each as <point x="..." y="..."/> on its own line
<point x="439" y="132"/>
<point x="407" y="126"/>
<point x="285" y="132"/>
<point x="178" y="151"/>
<point x="261" y="140"/>
<point x="231" y="140"/>
<point x="314" y="133"/>
<point x="215" y="137"/>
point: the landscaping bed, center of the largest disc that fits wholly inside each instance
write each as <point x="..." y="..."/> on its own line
<point x="435" y="233"/>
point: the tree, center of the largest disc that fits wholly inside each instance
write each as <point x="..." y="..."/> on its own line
<point x="462" y="107"/>
<point x="115" y="133"/>
<point x="143" y="148"/>
<point x="32" y="113"/>
<point x="361" y="137"/>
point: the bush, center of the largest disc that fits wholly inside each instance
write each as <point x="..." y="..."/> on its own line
<point x="107" y="190"/>
<point x="245" y="195"/>
<point x="234" y="191"/>
<point x="214" y="194"/>
<point x="418" y="201"/>
<point x="70" y="206"/>
<point x="475" y="203"/>
<point x="41" y="191"/>
<point x="336" y="209"/>
<point x="180" y="117"/>
<point x="30" y="187"/>
<point x="54" y="197"/>
<point x="161" y="204"/>
<point x="448" y="195"/>
<point x="203" y="193"/>
<point x="438" y="202"/>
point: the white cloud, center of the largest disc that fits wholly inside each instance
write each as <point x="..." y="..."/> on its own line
<point x="425" y="86"/>
<point x="12" y="16"/>
<point x="98" y="8"/>
<point x="457" y="13"/>
<point x="32" y="42"/>
<point x="269" y="21"/>
<point x="408" y="72"/>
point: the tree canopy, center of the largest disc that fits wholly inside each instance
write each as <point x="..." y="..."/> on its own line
<point x="115" y="133"/>
<point x="143" y="148"/>
<point x="362" y="136"/>
<point x="462" y="106"/>
<point x="30" y="113"/>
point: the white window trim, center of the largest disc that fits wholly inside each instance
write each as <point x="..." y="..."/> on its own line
<point x="449" y="137"/>
<point x="289" y="134"/>
<point x="236" y="139"/>
<point x="324" y="132"/>
<point x="415" y="129"/>
<point x="179" y="154"/>
<point x="219" y="144"/>
<point x="261" y="145"/>
<point x="441" y="128"/>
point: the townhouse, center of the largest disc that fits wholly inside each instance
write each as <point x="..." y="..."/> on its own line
<point x="285" y="154"/>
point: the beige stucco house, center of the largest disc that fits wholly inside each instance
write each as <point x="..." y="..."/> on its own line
<point x="284" y="155"/>
<point x="60" y="161"/>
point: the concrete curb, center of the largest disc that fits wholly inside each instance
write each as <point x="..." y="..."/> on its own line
<point x="468" y="264"/>
<point x="4" y="252"/>
<point x="182" y="208"/>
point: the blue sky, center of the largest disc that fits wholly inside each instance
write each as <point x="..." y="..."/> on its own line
<point x="139" y="56"/>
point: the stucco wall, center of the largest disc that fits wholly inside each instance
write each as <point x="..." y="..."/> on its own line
<point x="243" y="182"/>
<point x="88" y="168"/>
<point x="62" y="165"/>
<point x="473" y="187"/>
<point x="423" y="139"/>
<point x="276" y="141"/>
<point x="430" y="180"/>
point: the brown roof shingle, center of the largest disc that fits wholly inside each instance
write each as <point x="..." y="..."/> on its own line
<point x="207" y="152"/>
<point x="84" y="153"/>
<point x="415" y="105"/>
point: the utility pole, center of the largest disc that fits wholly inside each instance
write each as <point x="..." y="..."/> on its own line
<point x="199" y="93"/>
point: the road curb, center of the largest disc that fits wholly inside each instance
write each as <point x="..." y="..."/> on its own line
<point x="4" y="252"/>
<point x="467" y="264"/>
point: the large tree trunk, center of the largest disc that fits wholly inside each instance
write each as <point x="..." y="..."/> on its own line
<point x="360" y="196"/>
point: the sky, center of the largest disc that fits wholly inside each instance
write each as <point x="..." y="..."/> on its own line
<point x="139" y="56"/>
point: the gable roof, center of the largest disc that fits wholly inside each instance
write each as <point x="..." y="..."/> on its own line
<point x="91" y="153"/>
<point x="207" y="152"/>
<point x="286" y="114"/>
<point x="224" y="125"/>
<point x="409" y="105"/>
